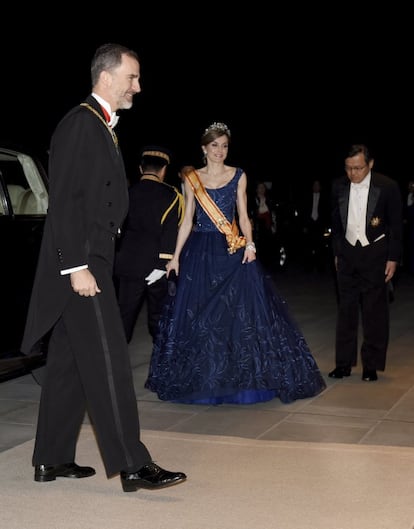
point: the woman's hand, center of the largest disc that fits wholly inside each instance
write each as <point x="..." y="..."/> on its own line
<point x="249" y="253"/>
<point x="172" y="265"/>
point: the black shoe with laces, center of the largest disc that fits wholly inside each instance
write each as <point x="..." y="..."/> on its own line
<point x="150" y="476"/>
<point x="67" y="470"/>
<point x="369" y="375"/>
<point x="340" y="372"/>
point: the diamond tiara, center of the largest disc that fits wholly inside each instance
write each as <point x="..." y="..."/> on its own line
<point x="219" y="127"/>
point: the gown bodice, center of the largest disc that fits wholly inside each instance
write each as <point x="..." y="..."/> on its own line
<point x="225" y="198"/>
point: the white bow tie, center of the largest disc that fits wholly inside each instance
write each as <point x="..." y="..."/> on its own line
<point x="114" y="120"/>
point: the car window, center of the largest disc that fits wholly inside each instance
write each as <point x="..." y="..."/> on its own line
<point x="24" y="185"/>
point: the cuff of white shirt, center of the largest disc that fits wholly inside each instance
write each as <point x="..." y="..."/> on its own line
<point x="74" y="269"/>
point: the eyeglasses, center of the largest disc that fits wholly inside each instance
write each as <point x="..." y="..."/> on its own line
<point x="349" y="169"/>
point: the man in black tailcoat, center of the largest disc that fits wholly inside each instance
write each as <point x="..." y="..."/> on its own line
<point x="367" y="244"/>
<point x="88" y="365"/>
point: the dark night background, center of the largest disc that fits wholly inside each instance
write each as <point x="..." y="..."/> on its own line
<point x="294" y="84"/>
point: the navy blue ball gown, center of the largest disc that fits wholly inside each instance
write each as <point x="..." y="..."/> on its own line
<point x="226" y="336"/>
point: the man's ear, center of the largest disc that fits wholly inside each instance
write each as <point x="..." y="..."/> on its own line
<point x="105" y="78"/>
<point x="163" y="172"/>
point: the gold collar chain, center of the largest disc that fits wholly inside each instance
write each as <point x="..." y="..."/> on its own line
<point x="112" y="132"/>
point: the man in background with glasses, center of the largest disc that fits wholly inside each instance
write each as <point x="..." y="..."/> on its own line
<point x="367" y="245"/>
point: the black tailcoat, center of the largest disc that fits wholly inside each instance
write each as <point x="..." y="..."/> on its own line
<point x="361" y="270"/>
<point x="88" y="365"/>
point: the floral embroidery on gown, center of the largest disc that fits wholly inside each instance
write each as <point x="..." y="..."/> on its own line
<point x="227" y="336"/>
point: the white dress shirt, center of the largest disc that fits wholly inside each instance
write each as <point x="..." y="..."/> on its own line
<point x="113" y="115"/>
<point x="357" y="212"/>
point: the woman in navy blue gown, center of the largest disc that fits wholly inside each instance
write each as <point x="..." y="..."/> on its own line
<point x="226" y="336"/>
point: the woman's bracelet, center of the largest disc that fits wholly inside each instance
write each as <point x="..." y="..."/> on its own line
<point x="251" y="246"/>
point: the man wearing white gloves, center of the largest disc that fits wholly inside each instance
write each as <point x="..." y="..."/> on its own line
<point x="147" y="241"/>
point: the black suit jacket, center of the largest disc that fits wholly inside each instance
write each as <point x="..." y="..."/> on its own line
<point x="324" y="210"/>
<point x="384" y="214"/>
<point x="150" y="232"/>
<point x="88" y="202"/>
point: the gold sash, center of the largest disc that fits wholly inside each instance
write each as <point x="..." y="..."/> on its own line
<point x="235" y="241"/>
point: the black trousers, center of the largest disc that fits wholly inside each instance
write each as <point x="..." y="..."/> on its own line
<point x="314" y="249"/>
<point x="362" y="291"/>
<point x="132" y="292"/>
<point x="88" y="368"/>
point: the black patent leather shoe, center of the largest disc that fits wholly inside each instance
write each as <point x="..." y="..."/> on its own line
<point x="369" y="375"/>
<point x="67" y="470"/>
<point x="150" y="476"/>
<point x="340" y="372"/>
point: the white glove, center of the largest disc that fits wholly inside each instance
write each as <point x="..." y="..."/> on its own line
<point x="154" y="276"/>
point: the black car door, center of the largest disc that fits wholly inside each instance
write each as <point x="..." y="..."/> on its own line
<point x="23" y="208"/>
